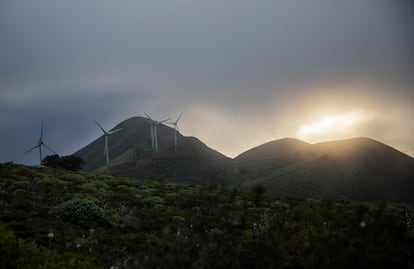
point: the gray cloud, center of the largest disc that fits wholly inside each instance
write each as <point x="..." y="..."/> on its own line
<point x="246" y="67"/>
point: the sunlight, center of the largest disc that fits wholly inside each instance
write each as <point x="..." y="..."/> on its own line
<point x="332" y="127"/>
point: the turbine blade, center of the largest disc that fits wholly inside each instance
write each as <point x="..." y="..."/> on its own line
<point x="114" y="131"/>
<point x="41" y="132"/>
<point x="179" y="117"/>
<point x="38" y="145"/>
<point x="148" y="116"/>
<point x="103" y="130"/>
<point x="46" y="146"/>
<point x="162" y="121"/>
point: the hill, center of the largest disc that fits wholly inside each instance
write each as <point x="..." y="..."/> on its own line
<point x="56" y="219"/>
<point x="358" y="168"/>
<point x="131" y="155"/>
<point x="282" y="148"/>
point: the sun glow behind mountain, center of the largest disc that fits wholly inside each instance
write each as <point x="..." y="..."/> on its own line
<point x="336" y="126"/>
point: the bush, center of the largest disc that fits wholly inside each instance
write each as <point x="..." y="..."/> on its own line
<point x="16" y="253"/>
<point x="52" y="182"/>
<point x="154" y="201"/>
<point x="74" y="178"/>
<point x="8" y="248"/>
<point x="77" y="210"/>
<point x="94" y="186"/>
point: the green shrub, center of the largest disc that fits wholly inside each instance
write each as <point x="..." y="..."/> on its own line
<point x="126" y="189"/>
<point x="154" y="201"/>
<point x="21" y="184"/>
<point x="8" y="248"/>
<point x="74" y="178"/>
<point x="50" y="182"/>
<point x="16" y="253"/>
<point x="77" y="210"/>
<point x="94" y="186"/>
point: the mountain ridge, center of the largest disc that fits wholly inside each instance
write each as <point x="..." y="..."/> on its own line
<point x="358" y="168"/>
<point x="294" y="143"/>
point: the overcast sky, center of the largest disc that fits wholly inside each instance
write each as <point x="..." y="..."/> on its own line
<point x="243" y="72"/>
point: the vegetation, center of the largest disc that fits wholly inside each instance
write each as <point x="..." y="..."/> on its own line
<point x="54" y="219"/>
<point x="71" y="162"/>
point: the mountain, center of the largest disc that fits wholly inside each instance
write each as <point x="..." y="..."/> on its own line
<point x="358" y="168"/>
<point x="131" y="155"/>
<point x="286" y="147"/>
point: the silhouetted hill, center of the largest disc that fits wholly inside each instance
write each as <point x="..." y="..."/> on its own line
<point x="131" y="155"/>
<point x="276" y="149"/>
<point x="359" y="168"/>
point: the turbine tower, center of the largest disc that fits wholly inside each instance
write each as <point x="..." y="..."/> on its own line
<point x="39" y="145"/>
<point x="154" y="131"/>
<point x="176" y="129"/>
<point x="107" y="134"/>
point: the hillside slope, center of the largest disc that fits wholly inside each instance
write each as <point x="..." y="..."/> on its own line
<point x="131" y="155"/>
<point x="358" y="168"/>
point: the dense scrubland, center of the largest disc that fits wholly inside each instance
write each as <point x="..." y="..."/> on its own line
<point x="57" y="219"/>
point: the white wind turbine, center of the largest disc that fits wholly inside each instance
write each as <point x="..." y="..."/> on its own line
<point x="176" y="129"/>
<point x="152" y="122"/>
<point x="153" y="131"/>
<point x="107" y="134"/>
<point x="40" y="144"/>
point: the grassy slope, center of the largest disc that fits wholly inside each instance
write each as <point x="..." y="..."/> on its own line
<point x="146" y="224"/>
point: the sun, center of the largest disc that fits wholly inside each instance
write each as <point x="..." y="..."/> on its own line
<point x="333" y="127"/>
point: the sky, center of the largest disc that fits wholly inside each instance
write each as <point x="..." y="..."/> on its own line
<point x="242" y="72"/>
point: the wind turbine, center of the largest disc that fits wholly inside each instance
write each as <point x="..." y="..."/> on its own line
<point x="153" y="131"/>
<point x="40" y="144"/>
<point x="176" y="129"/>
<point x="152" y="122"/>
<point x="107" y="134"/>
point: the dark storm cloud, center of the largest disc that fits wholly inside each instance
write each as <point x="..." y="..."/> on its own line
<point x="245" y="62"/>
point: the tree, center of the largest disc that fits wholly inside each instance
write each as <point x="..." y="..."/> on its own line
<point x="258" y="194"/>
<point x="52" y="161"/>
<point x="71" y="162"/>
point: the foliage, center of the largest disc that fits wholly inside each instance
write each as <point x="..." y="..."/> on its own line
<point x="16" y="253"/>
<point x="74" y="178"/>
<point x="52" y="182"/>
<point x="77" y="210"/>
<point x="132" y="223"/>
<point x="94" y="186"/>
<point x="71" y="162"/>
